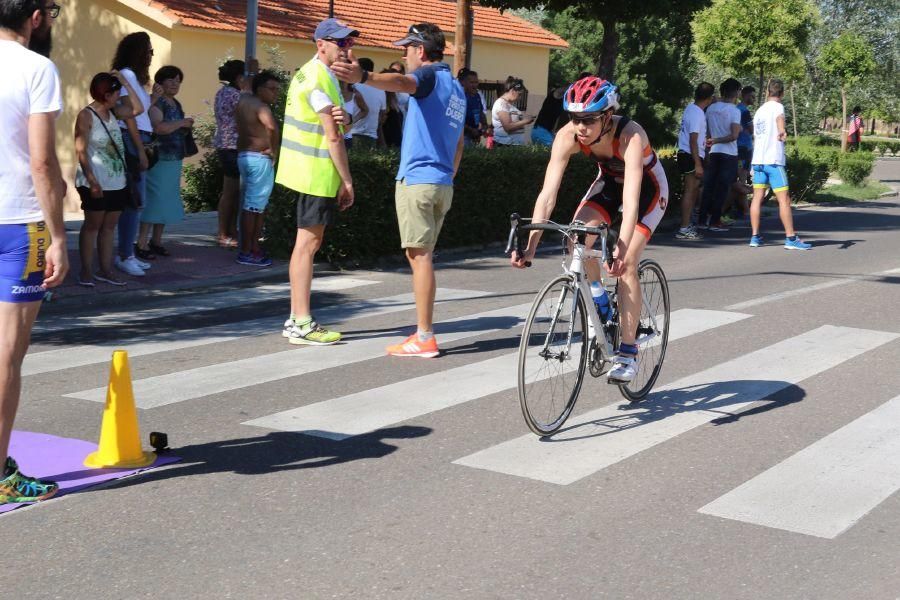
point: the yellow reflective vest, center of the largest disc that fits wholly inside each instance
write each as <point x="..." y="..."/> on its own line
<point x="304" y="163"/>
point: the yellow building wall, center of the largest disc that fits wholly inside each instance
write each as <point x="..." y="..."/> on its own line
<point x="84" y="42"/>
<point x="88" y="31"/>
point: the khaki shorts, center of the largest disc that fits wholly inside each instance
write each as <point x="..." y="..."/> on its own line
<point x="421" y="209"/>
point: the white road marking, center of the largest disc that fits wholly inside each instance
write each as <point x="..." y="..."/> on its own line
<point x="69" y="357"/>
<point x="807" y="290"/>
<point x="366" y="411"/>
<point x="600" y="438"/>
<point x="181" y="305"/>
<point x="223" y="377"/>
<point x="827" y="487"/>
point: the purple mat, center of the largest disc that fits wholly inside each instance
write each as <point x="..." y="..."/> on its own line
<point x="61" y="460"/>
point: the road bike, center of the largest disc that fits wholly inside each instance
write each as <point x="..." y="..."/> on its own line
<point x="558" y="341"/>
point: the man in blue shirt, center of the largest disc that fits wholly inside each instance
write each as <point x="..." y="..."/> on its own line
<point x="429" y="157"/>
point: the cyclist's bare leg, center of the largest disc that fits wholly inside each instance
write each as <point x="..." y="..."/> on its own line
<point x="309" y="239"/>
<point x="424" y="285"/>
<point x="592" y="218"/>
<point x="784" y="211"/>
<point x="630" y="291"/>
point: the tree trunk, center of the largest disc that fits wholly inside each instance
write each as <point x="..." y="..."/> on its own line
<point x="606" y="66"/>
<point x="794" y="112"/>
<point x="843" y="119"/>
<point x="872" y="130"/>
<point x="461" y="39"/>
<point x="761" y="94"/>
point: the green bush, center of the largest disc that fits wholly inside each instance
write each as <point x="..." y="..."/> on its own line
<point x="854" y="168"/>
<point x="490" y="185"/>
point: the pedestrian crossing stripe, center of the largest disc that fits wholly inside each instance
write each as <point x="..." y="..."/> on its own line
<point x="176" y="387"/>
<point x="599" y="438"/>
<point x="824" y="489"/>
<point x="69" y="357"/>
<point x="368" y="410"/>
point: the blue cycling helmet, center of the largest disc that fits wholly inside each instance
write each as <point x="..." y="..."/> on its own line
<point x="591" y="94"/>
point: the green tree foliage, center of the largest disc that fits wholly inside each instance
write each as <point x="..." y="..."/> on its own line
<point x="652" y="72"/>
<point x="755" y="36"/>
<point x="609" y="13"/>
<point x="848" y="59"/>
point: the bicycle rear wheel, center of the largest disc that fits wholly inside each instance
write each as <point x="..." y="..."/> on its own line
<point x="552" y="355"/>
<point x="655" y="301"/>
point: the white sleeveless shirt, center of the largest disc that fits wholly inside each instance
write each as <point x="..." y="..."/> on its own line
<point x="108" y="168"/>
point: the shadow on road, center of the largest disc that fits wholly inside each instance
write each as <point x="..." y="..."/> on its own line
<point x="278" y="451"/>
<point x="712" y="398"/>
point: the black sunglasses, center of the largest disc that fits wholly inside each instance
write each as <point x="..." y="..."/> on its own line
<point x="587" y="120"/>
<point x="346" y="42"/>
<point x="52" y="11"/>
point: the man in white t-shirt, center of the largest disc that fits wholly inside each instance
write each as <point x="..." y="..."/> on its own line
<point x="691" y="151"/>
<point x="32" y="232"/>
<point x="768" y="167"/>
<point x="367" y="131"/>
<point x="723" y="124"/>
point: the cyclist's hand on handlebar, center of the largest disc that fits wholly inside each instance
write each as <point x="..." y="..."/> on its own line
<point x="520" y="261"/>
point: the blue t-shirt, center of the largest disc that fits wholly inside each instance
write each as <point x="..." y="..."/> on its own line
<point x="745" y="140"/>
<point x="433" y="126"/>
<point x="474" y="111"/>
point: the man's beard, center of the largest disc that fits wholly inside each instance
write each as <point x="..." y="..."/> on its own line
<point x="41" y="41"/>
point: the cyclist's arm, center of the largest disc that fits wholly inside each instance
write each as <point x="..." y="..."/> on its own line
<point x="631" y="189"/>
<point x="564" y="147"/>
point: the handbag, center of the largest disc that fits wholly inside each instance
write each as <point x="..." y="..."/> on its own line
<point x="133" y="194"/>
<point x="190" y="144"/>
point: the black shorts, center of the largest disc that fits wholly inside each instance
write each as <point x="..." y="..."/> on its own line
<point x="112" y="200"/>
<point x="228" y="158"/>
<point x="685" y="162"/>
<point x="745" y="155"/>
<point x="315" y="210"/>
<point x="605" y="196"/>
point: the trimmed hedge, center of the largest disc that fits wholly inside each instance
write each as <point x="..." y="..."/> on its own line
<point x="877" y="147"/>
<point x="490" y="185"/>
<point x="854" y="168"/>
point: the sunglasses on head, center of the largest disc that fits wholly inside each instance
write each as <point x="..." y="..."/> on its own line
<point x="346" y="42"/>
<point x="587" y="120"/>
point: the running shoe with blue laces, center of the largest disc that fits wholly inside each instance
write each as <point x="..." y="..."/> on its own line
<point x="796" y="244"/>
<point x="17" y="487"/>
<point x="756" y="241"/>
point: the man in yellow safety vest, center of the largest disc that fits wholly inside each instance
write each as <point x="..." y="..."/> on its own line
<point x="313" y="162"/>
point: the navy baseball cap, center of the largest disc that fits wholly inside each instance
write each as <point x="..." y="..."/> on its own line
<point x="334" y="29"/>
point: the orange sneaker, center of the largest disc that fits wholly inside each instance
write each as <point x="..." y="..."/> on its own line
<point x="411" y="346"/>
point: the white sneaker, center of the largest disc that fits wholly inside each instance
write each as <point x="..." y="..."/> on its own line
<point x="130" y="266"/>
<point x="288" y="326"/>
<point x="624" y="369"/>
<point x="141" y="263"/>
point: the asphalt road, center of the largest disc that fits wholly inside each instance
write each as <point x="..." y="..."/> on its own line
<point x="766" y="465"/>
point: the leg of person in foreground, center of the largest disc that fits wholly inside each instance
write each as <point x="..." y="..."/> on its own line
<point x="228" y="211"/>
<point x="301" y="328"/>
<point x="629" y="297"/>
<point x="422" y="343"/>
<point x="792" y="241"/>
<point x="16" y="320"/>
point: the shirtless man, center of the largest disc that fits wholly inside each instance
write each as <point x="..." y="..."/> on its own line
<point x="257" y="148"/>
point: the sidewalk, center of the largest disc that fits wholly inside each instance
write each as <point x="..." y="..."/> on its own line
<point x="196" y="261"/>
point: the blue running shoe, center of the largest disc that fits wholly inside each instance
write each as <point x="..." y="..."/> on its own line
<point x="796" y="244"/>
<point x="253" y="261"/>
<point x="756" y="241"/>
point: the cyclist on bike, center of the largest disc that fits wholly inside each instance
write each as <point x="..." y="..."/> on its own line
<point x="631" y="179"/>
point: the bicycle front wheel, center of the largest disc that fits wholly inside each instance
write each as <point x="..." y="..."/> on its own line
<point x="653" y="330"/>
<point x="552" y="355"/>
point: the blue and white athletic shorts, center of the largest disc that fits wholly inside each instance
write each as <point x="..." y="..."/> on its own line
<point x="23" y="248"/>
<point x="257" y="180"/>
<point x="773" y="176"/>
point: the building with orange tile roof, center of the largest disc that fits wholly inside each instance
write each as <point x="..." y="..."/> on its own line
<point x="198" y="35"/>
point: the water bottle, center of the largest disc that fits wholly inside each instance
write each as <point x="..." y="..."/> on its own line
<point x="601" y="299"/>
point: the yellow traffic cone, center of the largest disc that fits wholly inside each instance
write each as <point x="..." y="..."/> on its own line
<point x="120" y="444"/>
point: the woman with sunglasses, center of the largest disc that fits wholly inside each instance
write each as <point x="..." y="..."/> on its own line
<point x="630" y="177"/>
<point x="100" y="176"/>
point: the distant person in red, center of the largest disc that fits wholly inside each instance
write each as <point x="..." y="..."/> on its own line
<point x="854" y="130"/>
